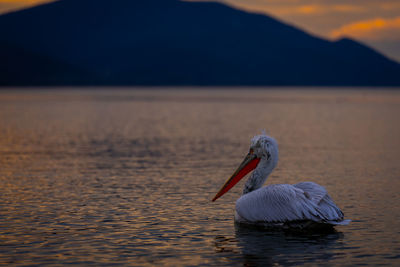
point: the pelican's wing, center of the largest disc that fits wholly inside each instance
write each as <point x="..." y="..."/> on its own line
<point x="282" y="203"/>
<point x="319" y="196"/>
<point x="313" y="191"/>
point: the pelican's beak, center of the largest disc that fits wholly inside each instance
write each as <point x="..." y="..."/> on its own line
<point x="249" y="163"/>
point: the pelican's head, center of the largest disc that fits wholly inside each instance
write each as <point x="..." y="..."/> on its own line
<point x="263" y="152"/>
<point x="265" y="148"/>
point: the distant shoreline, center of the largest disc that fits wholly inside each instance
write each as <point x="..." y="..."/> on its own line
<point x="196" y="87"/>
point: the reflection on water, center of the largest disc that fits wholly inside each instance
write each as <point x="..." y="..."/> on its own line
<point x="259" y="247"/>
<point x="126" y="177"/>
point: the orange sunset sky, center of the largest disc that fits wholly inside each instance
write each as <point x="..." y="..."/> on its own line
<point x="374" y="22"/>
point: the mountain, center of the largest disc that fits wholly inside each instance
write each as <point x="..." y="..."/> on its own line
<point x="170" y="42"/>
<point x="23" y="68"/>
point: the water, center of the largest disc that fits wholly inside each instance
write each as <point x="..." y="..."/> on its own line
<point x="125" y="177"/>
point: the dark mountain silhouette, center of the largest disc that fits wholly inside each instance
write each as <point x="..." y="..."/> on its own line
<point x="169" y="42"/>
<point x="23" y="68"/>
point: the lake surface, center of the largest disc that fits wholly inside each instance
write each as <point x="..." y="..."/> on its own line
<point x="125" y="177"/>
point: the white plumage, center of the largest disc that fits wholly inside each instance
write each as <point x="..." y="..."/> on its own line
<point x="280" y="204"/>
<point x="284" y="203"/>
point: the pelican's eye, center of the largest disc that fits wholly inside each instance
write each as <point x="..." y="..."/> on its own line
<point x="251" y="151"/>
<point x="267" y="151"/>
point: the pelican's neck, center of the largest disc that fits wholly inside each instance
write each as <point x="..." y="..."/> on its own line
<point x="259" y="175"/>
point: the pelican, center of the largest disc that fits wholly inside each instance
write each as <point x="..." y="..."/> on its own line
<point x="301" y="205"/>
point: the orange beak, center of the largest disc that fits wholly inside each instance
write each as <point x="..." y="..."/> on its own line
<point x="249" y="163"/>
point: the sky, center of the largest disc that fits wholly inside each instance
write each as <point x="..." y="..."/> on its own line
<point x="373" y="22"/>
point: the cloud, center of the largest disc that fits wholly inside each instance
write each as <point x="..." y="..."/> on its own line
<point x="325" y="9"/>
<point x="22" y="2"/>
<point x="373" y="29"/>
<point x="306" y="9"/>
<point x="390" y="6"/>
<point x="10" y="5"/>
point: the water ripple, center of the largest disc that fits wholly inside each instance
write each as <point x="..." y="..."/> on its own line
<point x="92" y="180"/>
